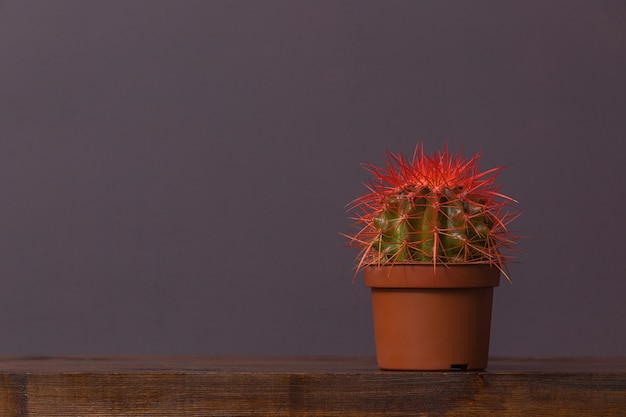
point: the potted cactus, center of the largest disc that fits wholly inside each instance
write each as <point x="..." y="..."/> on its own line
<point x="433" y="238"/>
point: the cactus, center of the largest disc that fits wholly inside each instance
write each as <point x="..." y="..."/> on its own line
<point x="433" y="209"/>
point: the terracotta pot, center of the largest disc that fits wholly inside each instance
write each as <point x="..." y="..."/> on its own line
<point x="428" y="318"/>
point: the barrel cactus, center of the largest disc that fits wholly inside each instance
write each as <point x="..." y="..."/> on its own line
<point x="435" y="209"/>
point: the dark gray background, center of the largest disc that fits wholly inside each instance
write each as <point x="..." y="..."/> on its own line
<point x="174" y="173"/>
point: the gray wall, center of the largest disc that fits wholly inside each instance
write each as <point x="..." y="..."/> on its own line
<point x="174" y="173"/>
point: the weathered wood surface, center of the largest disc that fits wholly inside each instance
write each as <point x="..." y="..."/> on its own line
<point x="305" y="386"/>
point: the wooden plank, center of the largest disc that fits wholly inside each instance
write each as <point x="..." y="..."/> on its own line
<point x="178" y="364"/>
<point x="12" y="395"/>
<point x="305" y="386"/>
<point x="283" y="364"/>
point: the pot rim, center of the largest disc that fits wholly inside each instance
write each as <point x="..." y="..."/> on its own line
<point x="404" y="275"/>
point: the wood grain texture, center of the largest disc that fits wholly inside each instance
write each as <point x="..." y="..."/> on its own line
<point x="305" y="386"/>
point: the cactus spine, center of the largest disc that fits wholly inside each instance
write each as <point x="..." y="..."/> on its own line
<point x="437" y="209"/>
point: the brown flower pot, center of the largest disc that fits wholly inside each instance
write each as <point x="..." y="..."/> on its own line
<point x="429" y="319"/>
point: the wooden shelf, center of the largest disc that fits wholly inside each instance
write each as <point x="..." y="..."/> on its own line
<point x="304" y="386"/>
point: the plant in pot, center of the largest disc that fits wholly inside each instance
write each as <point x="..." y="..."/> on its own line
<point x="433" y="237"/>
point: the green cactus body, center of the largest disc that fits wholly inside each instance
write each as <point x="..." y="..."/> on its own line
<point x="425" y="222"/>
<point x="424" y="225"/>
<point x="395" y="228"/>
<point x="454" y="234"/>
